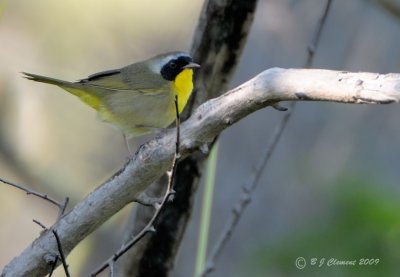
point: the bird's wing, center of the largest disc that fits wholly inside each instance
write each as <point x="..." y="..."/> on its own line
<point x="110" y="79"/>
<point x="131" y="78"/>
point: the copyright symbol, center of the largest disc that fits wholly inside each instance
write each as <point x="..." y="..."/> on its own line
<point x="300" y="263"/>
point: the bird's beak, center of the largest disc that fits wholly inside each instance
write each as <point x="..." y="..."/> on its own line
<point x="191" y="65"/>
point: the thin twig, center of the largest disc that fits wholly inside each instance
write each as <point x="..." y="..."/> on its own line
<point x="56" y="257"/>
<point x="61" y="252"/>
<point x="53" y="267"/>
<point x="149" y="228"/>
<point x="40" y="224"/>
<point x="245" y="198"/>
<point x="317" y="35"/>
<point x="61" y="206"/>
<point x="29" y="191"/>
<point x="249" y="188"/>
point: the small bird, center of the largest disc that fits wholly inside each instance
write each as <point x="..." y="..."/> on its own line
<point x="138" y="98"/>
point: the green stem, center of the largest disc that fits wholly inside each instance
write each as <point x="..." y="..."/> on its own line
<point x="206" y="210"/>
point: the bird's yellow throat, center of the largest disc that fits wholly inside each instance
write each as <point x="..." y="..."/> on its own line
<point x="183" y="86"/>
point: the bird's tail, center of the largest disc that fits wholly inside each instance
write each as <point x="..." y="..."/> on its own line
<point x="47" y="80"/>
<point x="87" y="95"/>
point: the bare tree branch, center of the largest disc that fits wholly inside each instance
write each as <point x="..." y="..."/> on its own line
<point x="208" y="121"/>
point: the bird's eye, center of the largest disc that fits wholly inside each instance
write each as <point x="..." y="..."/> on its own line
<point x="172" y="65"/>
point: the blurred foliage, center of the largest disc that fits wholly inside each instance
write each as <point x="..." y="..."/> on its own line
<point x="364" y="224"/>
<point x="391" y="6"/>
<point x="2" y="6"/>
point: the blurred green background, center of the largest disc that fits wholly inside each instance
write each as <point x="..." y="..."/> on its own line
<point x="332" y="187"/>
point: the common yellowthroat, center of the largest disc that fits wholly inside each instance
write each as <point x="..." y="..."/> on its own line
<point x="138" y="98"/>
